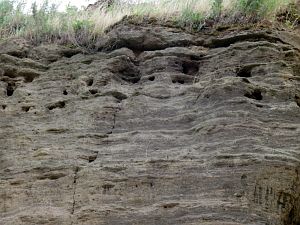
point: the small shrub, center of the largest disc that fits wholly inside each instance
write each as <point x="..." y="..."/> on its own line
<point x="83" y="32"/>
<point x="81" y="25"/>
<point x="291" y="16"/>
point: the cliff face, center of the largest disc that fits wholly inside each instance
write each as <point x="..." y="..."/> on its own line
<point x="160" y="126"/>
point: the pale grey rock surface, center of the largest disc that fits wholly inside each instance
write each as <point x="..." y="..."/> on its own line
<point x="160" y="127"/>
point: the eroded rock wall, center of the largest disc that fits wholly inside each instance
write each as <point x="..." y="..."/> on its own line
<point x="160" y="126"/>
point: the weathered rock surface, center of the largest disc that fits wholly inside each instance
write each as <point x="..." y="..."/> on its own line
<point x="160" y="127"/>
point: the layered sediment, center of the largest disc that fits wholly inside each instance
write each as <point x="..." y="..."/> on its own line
<point x="159" y="126"/>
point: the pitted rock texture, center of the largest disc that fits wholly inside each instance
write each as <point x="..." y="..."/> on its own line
<point x="158" y="127"/>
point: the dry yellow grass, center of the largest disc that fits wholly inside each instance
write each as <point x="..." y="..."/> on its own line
<point x="81" y="27"/>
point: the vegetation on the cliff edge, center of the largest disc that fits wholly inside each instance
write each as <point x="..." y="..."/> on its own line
<point x="45" y="23"/>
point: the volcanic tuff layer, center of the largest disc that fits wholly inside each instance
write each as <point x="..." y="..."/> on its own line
<point x="160" y="126"/>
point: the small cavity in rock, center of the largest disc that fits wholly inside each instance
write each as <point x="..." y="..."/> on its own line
<point x="297" y="98"/>
<point x="90" y="82"/>
<point x="152" y="78"/>
<point x="26" y="108"/>
<point x="244" y="72"/>
<point x="10" y="89"/>
<point x="60" y="104"/>
<point x="180" y="81"/>
<point x="254" y="94"/>
<point x="93" y="91"/>
<point x="190" y="67"/>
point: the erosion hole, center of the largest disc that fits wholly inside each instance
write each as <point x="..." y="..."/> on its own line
<point x="244" y="72"/>
<point x="297" y="99"/>
<point x="4" y="107"/>
<point x="60" y="104"/>
<point x="29" y="79"/>
<point x="89" y="82"/>
<point x="170" y="205"/>
<point x="107" y="187"/>
<point x="254" y="94"/>
<point x="93" y="91"/>
<point x="180" y="81"/>
<point x="152" y="78"/>
<point x="10" y="89"/>
<point x="65" y="92"/>
<point x="92" y="158"/>
<point x="190" y="67"/>
<point x="26" y="108"/>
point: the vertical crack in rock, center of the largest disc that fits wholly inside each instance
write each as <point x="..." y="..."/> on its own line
<point x="116" y="110"/>
<point x="113" y="126"/>
<point x="114" y="122"/>
<point x="74" y="191"/>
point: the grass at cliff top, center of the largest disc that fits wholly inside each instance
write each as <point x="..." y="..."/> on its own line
<point x="79" y="27"/>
